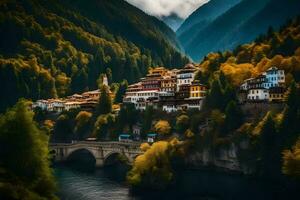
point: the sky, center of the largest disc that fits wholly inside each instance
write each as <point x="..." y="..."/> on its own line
<point x="160" y="8"/>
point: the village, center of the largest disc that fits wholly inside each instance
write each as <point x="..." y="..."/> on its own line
<point x="173" y="90"/>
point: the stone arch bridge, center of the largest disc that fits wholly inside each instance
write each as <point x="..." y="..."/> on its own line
<point x="101" y="151"/>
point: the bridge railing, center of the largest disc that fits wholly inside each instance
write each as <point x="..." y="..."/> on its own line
<point x="103" y="144"/>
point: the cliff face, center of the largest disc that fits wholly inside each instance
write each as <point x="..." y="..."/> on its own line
<point x="224" y="159"/>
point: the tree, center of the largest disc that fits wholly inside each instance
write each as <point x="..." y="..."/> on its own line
<point x="82" y="124"/>
<point x="63" y="129"/>
<point x="147" y="120"/>
<point x="291" y="161"/>
<point x="162" y="127"/>
<point x="215" y="97"/>
<point x="270" y="153"/>
<point x="189" y="134"/>
<point x="105" y="102"/>
<point x="25" y="169"/>
<point x="290" y="122"/>
<point x="233" y="117"/>
<point x="182" y="123"/>
<point x="104" y="127"/>
<point x="145" y="146"/>
<point x="121" y="91"/>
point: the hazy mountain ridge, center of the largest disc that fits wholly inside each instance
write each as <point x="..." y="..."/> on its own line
<point x="240" y="24"/>
<point x="201" y="17"/>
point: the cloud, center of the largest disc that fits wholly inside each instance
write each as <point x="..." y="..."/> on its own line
<point x="160" y="8"/>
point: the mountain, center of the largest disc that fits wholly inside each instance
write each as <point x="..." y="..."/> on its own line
<point x="58" y="47"/>
<point x="173" y="21"/>
<point x="201" y="17"/>
<point x="240" y="24"/>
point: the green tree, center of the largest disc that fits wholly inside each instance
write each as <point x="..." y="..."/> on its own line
<point x="121" y="91"/>
<point x="182" y="123"/>
<point x="63" y="129"/>
<point x="233" y="117"/>
<point x="270" y="153"/>
<point x="290" y="123"/>
<point x="24" y="165"/>
<point x="148" y="116"/>
<point x="214" y="99"/>
<point x="82" y="127"/>
<point x="105" y="102"/>
<point x="104" y="127"/>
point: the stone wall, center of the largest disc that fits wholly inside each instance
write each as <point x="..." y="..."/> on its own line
<point x="258" y="110"/>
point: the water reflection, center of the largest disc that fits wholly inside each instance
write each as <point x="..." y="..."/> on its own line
<point x="83" y="182"/>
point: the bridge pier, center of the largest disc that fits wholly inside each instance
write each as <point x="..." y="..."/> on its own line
<point x="99" y="162"/>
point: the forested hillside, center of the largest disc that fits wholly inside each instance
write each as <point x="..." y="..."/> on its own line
<point x="202" y="17"/>
<point x="55" y="48"/>
<point x="240" y="24"/>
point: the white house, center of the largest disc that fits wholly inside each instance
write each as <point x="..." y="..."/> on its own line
<point x="72" y="105"/>
<point x="258" y="94"/>
<point x="186" y="75"/>
<point x="274" y="77"/>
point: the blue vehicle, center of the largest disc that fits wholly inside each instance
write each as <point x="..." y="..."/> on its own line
<point x="125" y="138"/>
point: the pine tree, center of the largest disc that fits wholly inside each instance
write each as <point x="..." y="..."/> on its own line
<point x="270" y="152"/>
<point x="290" y="124"/>
<point x="233" y="118"/>
<point x="215" y="96"/>
<point x="105" y="102"/>
<point x="121" y="91"/>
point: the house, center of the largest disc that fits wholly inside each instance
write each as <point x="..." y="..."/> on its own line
<point x="168" y="84"/>
<point x="183" y="91"/>
<point x="274" y="77"/>
<point x="197" y="90"/>
<point x="258" y="94"/>
<point x="42" y="104"/>
<point x="268" y="86"/>
<point x="95" y="94"/>
<point x="58" y="105"/>
<point x="136" y="130"/>
<point x="276" y="94"/>
<point x="71" y="105"/>
<point x="186" y="75"/>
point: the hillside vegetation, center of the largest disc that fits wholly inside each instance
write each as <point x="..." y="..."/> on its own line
<point x="55" y="48"/>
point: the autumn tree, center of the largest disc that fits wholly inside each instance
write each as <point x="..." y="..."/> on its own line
<point x="162" y="127"/>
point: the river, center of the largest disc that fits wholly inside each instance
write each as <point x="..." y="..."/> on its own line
<point x="109" y="184"/>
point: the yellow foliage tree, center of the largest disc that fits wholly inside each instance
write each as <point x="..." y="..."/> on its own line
<point x="162" y="127"/>
<point x="145" y="146"/>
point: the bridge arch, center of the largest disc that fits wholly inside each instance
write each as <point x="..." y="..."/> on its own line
<point x="113" y="157"/>
<point x="82" y="154"/>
